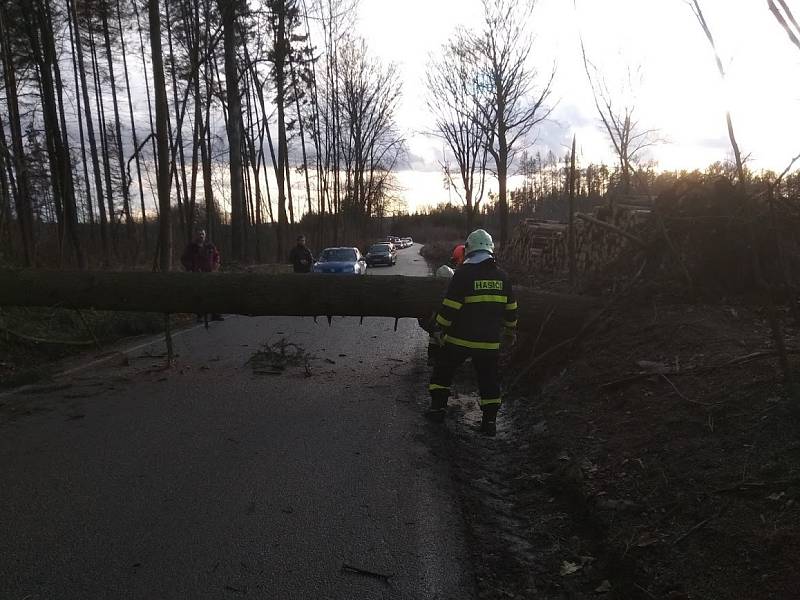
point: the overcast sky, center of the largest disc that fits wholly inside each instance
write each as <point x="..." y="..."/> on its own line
<point x="680" y="92"/>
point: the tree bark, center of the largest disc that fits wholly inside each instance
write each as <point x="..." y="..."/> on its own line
<point x="23" y="197"/>
<point x="133" y="131"/>
<point x="227" y="9"/>
<point x="104" y="149"/>
<point x="258" y="294"/>
<point x="126" y="204"/>
<point x="87" y="109"/>
<point x="52" y="96"/>
<point x="179" y="166"/>
<point x="571" y="230"/>
<point x="87" y="181"/>
<point x="162" y="115"/>
<point x="5" y="193"/>
<point x="281" y="45"/>
<point x="153" y="138"/>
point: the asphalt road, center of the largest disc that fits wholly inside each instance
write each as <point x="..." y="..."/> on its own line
<point x="210" y="480"/>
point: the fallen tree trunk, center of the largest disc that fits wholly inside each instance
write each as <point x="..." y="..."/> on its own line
<point x="258" y="294"/>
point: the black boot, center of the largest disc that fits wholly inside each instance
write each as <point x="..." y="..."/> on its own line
<point x="488" y="421"/>
<point x="438" y="408"/>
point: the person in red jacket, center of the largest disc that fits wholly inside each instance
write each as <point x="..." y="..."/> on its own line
<point x="201" y="256"/>
<point x="458" y="256"/>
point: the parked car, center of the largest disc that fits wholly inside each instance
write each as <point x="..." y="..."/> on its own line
<point x="381" y="254"/>
<point x="341" y="260"/>
<point x="396" y="241"/>
<point x="393" y="246"/>
<point x="408" y="241"/>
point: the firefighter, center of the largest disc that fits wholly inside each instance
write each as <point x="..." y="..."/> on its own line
<point x="457" y="259"/>
<point x="434" y="331"/>
<point x="478" y="307"/>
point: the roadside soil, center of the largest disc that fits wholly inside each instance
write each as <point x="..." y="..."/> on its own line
<point x="662" y="460"/>
<point x="34" y="340"/>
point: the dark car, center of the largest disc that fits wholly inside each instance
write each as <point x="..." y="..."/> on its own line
<point x="381" y="254"/>
<point x="340" y="260"/>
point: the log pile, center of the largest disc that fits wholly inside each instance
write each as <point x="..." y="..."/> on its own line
<point x="702" y="235"/>
<point x="542" y="246"/>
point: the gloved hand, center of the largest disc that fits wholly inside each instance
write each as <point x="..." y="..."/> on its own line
<point x="510" y="337"/>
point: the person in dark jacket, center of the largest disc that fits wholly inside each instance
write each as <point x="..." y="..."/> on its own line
<point x="201" y="256"/>
<point x="301" y="257"/>
<point x="478" y="307"/>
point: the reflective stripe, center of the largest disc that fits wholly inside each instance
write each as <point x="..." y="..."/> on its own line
<point x="442" y="321"/>
<point x="512" y="306"/>
<point x="485" y="298"/>
<point x="452" y="303"/>
<point x="436" y="386"/>
<point x="510" y="323"/>
<point x="468" y="344"/>
<point x="488" y="401"/>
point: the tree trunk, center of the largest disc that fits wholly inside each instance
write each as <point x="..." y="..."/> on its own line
<point x="302" y="136"/>
<point x="502" y="179"/>
<point x="162" y="115"/>
<point x="227" y="9"/>
<point x="279" y="53"/>
<point x="126" y="204"/>
<point x="87" y="108"/>
<point x="205" y="155"/>
<point x="180" y="166"/>
<point x="571" y="230"/>
<point x="23" y="197"/>
<point x="78" y="110"/>
<point x="255" y="166"/>
<point x="259" y="294"/>
<point x="104" y="150"/>
<point x="133" y="132"/>
<point x="61" y="166"/>
<point x="153" y="139"/>
<point x="5" y="194"/>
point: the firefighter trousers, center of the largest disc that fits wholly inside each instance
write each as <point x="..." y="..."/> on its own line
<point x="449" y="358"/>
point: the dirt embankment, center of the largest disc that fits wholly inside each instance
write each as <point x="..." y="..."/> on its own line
<point x="33" y="339"/>
<point x="661" y="461"/>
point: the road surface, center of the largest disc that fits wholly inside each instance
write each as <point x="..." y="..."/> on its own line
<point x="223" y="478"/>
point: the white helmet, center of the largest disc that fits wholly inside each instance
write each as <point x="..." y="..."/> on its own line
<point x="479" y="240"/>
<point x="445" y="272"/>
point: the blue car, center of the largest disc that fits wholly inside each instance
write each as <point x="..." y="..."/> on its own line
<point x="341" y="260"/>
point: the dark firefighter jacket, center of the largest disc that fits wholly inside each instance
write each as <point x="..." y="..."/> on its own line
<point x="479" y="303"/>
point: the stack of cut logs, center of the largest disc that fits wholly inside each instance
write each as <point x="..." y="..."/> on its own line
<point x="542" y="246"/>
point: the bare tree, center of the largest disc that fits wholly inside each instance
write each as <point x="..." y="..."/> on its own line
<point x="23" y="197"/>
<point x="39" y="26"/>
<point x="90" y="133"/>
<point x="105" y="14"/>
<point x="786" y="20"/>
<point x="459" y="120"/>
<point x="133" y="127"/>
<point x="162" y="117"/>
<point x="622" y="126"/>
<point x="698" y="13"/>
<point x="228" y="10"/>
<point x="371" y="145"/>
<point x="511" y="102"/>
